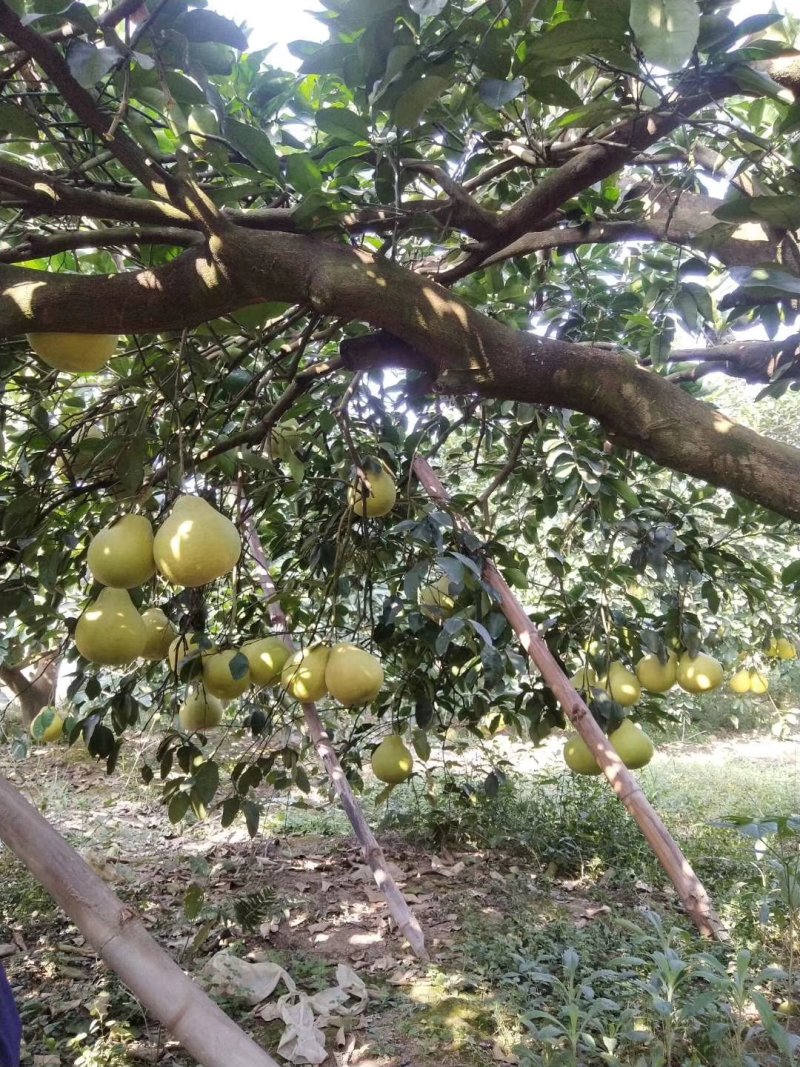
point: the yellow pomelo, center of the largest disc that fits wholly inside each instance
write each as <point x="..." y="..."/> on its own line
<point x="759" y="683"/>
<point x="391" y="761"/>
<point x="380" y="490"/>
<point x="435" y="601"/>
<point x="195" y="544"/>
<point x="622" y="685"/>
<point x="352" y="675"/>
<point x="186" y="645"/>
<point x="303" y="674"/>
<point x="78" y="353"/>
<point x="772" y="650"/>
<point x="740" y="682"/>
<point x="121" y="555"/>
<point x="218" y="677"/>
<point x="47" y="726"/>
<point x="699" y="675"/>
<point x="111" y="630"/>
<point x="578" y="757"/>
<point x="267" y="657"/>
<point x="584" y="679"/>
<point x="632" y="745"/>
<point x="200" y="711"/>
<point x="160" y="634"/>
<point x="786" y="649"/>
<point x="655" y="676"/>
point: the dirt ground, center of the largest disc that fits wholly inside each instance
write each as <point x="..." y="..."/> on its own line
<point x="304" y="901"/>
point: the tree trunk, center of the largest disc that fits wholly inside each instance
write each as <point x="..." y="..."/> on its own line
<point x="34" y="690"/>
<point x="118" y="934"/>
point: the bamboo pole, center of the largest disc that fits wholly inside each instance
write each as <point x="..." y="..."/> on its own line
<point x="117" y="933"/>
<point x="405" y="919"/>
<point x="689" y="887"/>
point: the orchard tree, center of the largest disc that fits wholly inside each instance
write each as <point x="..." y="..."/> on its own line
<point x="512" y="238"/>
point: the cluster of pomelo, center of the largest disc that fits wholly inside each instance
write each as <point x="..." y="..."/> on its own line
<point x="195" y="545"/>
<point x="658" y="674"/>
<point x="346" y="672"/>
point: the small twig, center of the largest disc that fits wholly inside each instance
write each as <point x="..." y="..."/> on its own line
<point x="507" y="469"/>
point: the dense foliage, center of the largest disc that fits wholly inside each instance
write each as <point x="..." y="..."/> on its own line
<point x="537" y="158"/>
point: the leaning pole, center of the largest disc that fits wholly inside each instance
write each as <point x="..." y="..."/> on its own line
<point x="116" y="932"/>
<point x="689" y="887"/>
<point x="402" y="914"/>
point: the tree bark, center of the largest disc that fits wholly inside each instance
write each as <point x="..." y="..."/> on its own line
<point x="118" y="934"/>
<point x="466" y="352"/>
<point x="35" y="690"/>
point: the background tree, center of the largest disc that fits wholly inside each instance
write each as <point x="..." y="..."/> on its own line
<point x="514" y="238"/>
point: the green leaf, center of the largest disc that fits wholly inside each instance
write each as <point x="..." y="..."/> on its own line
<point x="230" y="809"/>
<point x="254" y="145"/>
<point x="20" y="515"/>
<point x="423" y="712"/>
<point x="301" y="780"/>
<point x="18" y="122"/>
<point x="427" y="9"/>
<point x="769" y="278"/>
<point x="178" y="806"/>
<point x="239" y="666"/>
<point x="791" y="573"/>
<point x="193" y="901"/>
<point x="782" y="210"/>
<point x="553" y="90"/>
<point x="419" y="740"/>
<point x="568" y="40"/>
<point x="496" y="93"/>
<point x="757" y="82"/>
<point x="411" y="106"/>
<point x="252" y="816"/>
<point x="203" y="25"/>
<point x="625" y="492"/>
<point x="302" y="172"/>
<point x="342" y="124"/>
<point x="666" y="31"/>
<point x="88" y="64"/>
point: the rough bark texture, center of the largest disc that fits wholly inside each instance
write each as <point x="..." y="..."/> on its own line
<point x="465" y="351"/>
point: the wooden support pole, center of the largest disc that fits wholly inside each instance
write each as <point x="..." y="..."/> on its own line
<point x="690" y="889"/>
<point x="373" y="853"/>
<point x="118" y="934"/>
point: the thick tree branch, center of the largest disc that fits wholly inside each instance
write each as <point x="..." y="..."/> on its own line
<point x="150" y="173"/>
<point x="38" y="245"/>
<point x="467" y="353"/>
<point x="758" y="362"/>
<point x="684" y="220"/>
<point x="608" y="154"/>
<point x="81" y="101"/>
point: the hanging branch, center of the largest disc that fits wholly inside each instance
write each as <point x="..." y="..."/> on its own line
<point x="373" y="853"/>
<point x="118" y="934"/>
<point x="690" y="889"/>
